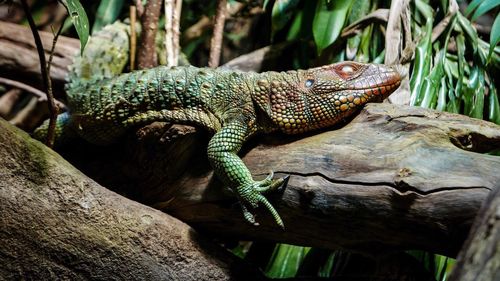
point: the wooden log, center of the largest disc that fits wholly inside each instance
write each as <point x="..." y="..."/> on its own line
<point x="19" y="58"/>
<point x="394" y="178"/>
<point x="479" y="259"/>
<point x="58" y="224"/>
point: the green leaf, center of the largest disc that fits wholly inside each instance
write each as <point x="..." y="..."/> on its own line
<point x="265" y="4"/>
<point x="485" y="6"/>
<point x="472" y="6"/>
<point x="80" y="21"/>
<point x="328" y="22"/>
<point x="476" y="93"/>
<point x="283" y="11"/>
<point x="285" y="261"/>
<point x="422" y="64"/>
<point x="494" y="107"/>
<point x="107" y="13"/>
<point x="470" y="32"/>
<point x="294" y="31"/>
<point x="494" y="36"/>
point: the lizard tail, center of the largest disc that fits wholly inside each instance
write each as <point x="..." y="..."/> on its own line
<point x="105" y="56"/>
<point x="63" y="132"/>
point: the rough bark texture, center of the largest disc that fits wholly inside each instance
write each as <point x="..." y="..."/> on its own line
<point x="58" y="224"/>
<point x="18" y="54"/>
<point x="146" y="53"/>
<point x="394" y="178"/>
<point x="479" y="259"/>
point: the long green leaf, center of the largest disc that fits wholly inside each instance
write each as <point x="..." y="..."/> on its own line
<point x="285" y="261"/>
<point x="80" y="21"/>
<point x="282" y="12"/>
<point x="494" y="107"/>
<point x="472" y="6"/>
<point x="442" y="94"/>
<point x="484" y="7"/>
<point x="328" y="22"/>
<point x="476" y="93"/>
<point x="107" y="13"/>
<point x="470" y="32"/>
<point x="423" y="57"/>
<point x="494" y="36"/>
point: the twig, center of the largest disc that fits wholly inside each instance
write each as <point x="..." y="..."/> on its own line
<point x="41" y="95"/>
<point x="45" y="75"/>
<point x="169" y="32"/>
<point x="216" y="42"/>
<point x="50" y="140"/>
<point x="133" y="36"/>
<point x="139" y="7"/>
<point x="146" y="54"/>
<point x="176" y="29"/>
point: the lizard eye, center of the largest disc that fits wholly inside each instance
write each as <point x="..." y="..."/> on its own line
<point x="347" y="69"/>
<point x="309" y="83"/>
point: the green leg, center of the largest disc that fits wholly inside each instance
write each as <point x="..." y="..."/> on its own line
<point x="231" y="170"/>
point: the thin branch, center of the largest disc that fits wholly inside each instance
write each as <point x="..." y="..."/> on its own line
<point x="41" y="95"/>
<point x="139" y="7"/>
<point x="216" y="42"/>
<point x="176" y="29"/>
<point x="133" y="36"/>
<point x="47" y="86"/>
<point x="169" y="32"/>
<point x="146" y="54"/>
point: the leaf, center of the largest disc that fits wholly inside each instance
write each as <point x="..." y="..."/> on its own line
<point x="107" y="13"/>
<point x="328" y="22"/>
<point x="485" y="6"/>
<point x="422" y="64"/>
<point x="80" y="21"/>
<point x="475" y="97"/>
<point x="494" y="107"/>
<point x="472" y="6"/>
<point x="494" y="36"/>
<point x="283" y="11"/>
<point x="470" y="32"/>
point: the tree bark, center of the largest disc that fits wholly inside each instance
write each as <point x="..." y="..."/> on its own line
<point x="394" y="178"/>
<point x="479" y="259"/>
<point x="58" y="224"/>
<point x="19" y="58"/>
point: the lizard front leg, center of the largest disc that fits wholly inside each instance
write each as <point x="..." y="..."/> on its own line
<point x="222" y="150"/>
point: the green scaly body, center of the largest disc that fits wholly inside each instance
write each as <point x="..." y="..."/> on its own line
<point x="233" y="105"/>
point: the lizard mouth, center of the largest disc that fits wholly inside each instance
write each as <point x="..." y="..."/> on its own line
<point x="373" y="86"/>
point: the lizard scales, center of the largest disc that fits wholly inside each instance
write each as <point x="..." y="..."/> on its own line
<point x="233" y="105"/>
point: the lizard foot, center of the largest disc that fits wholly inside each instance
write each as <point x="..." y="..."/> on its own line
<point x="251" y="197"/>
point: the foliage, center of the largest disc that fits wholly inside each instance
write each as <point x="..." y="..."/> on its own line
<point x="79" y="20"/>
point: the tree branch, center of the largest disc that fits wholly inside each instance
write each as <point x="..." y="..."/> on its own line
<point x="216" y="41"/>
<point x="394" y="178"/>
<point x="57" y="222"/>
<point x="146" y="53"/>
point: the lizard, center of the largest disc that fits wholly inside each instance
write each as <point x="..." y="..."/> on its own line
<point x="233" y="105"/>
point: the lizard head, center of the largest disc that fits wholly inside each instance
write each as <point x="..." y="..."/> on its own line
<point x="304" y="100"/>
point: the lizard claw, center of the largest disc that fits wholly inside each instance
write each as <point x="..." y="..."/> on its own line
<point x="251" y="197"/>
<point x="249" y="217"/>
